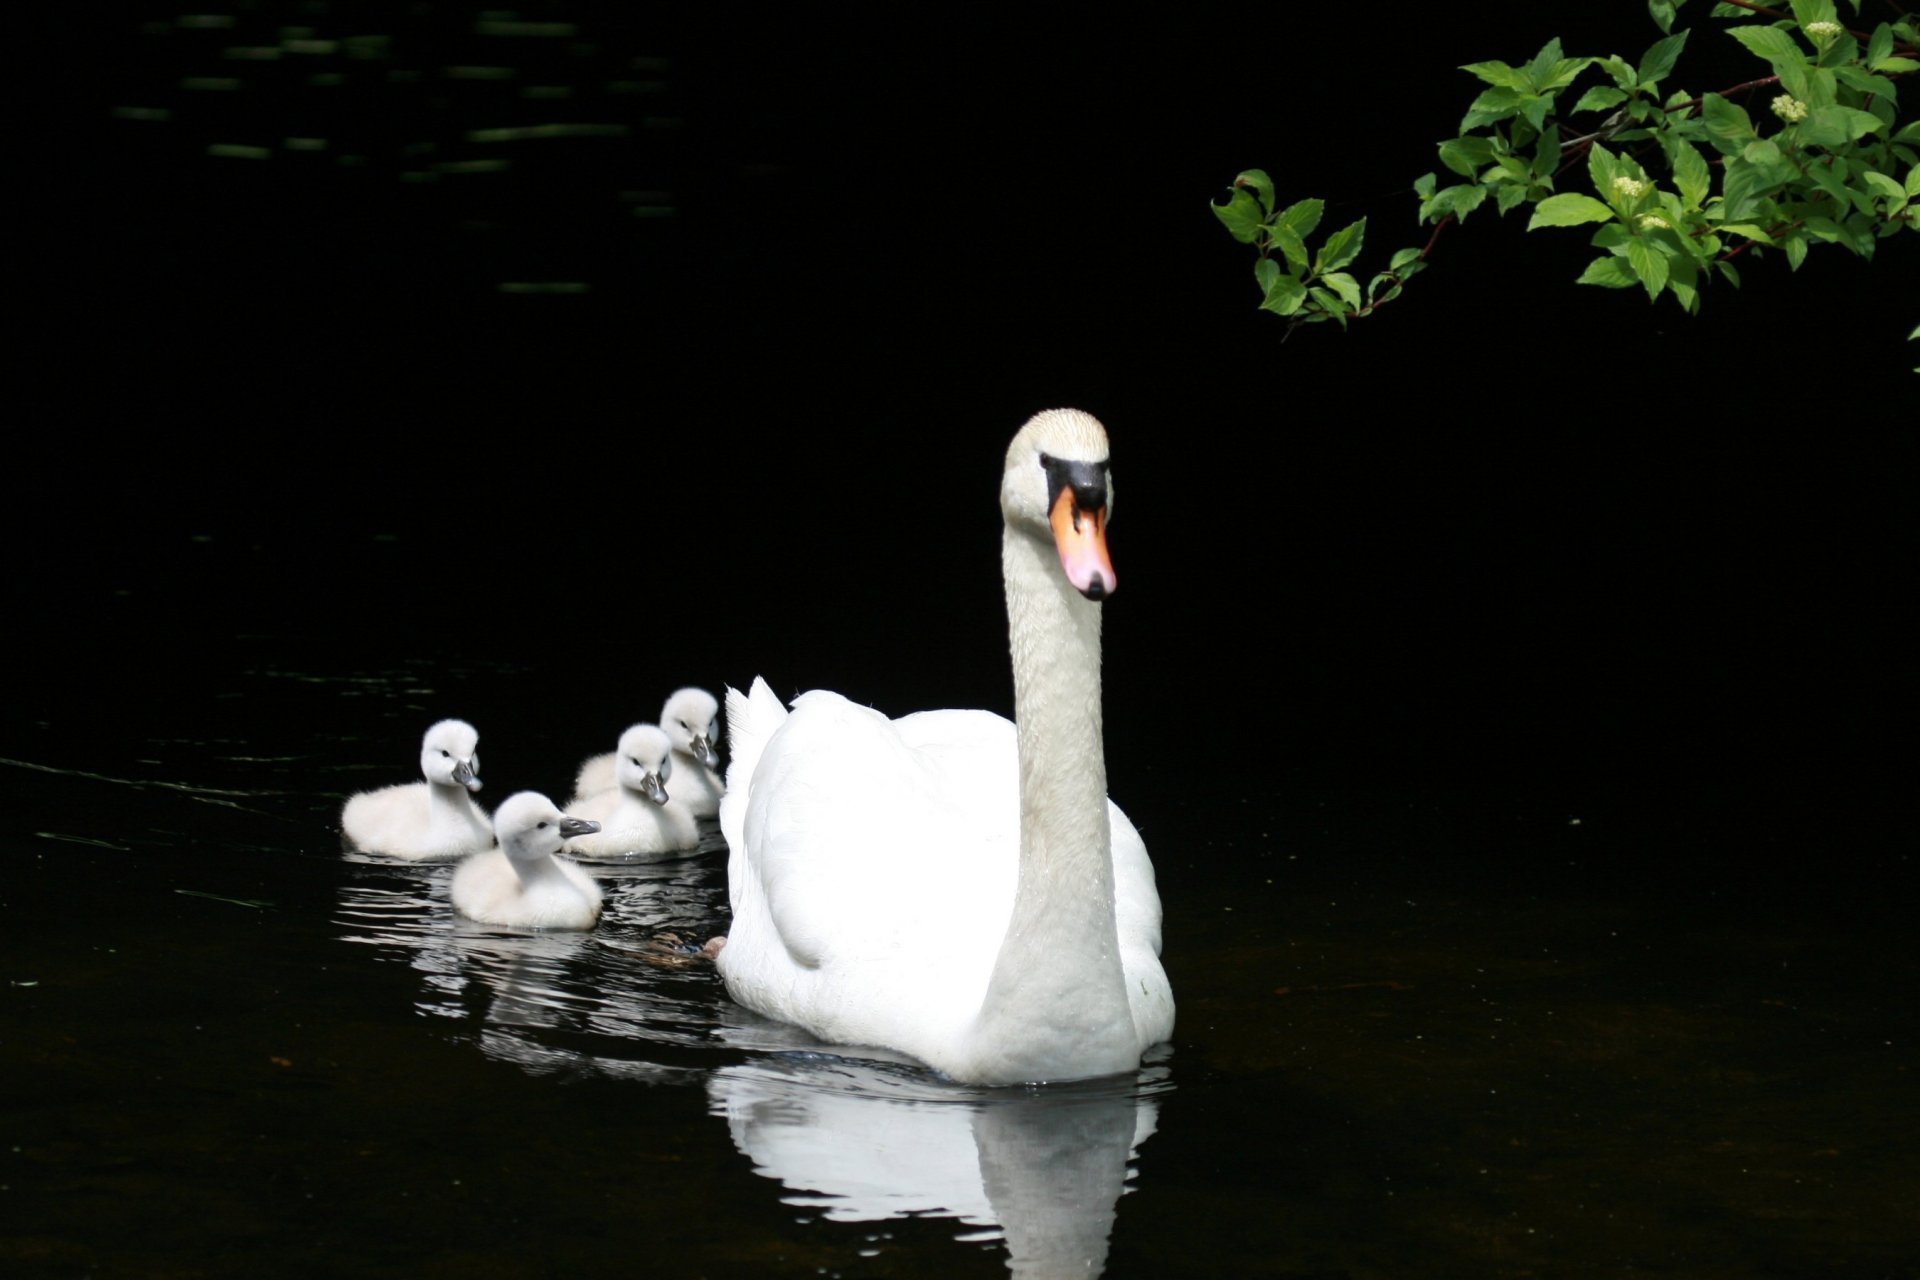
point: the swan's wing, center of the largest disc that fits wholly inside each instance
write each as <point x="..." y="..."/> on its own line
<point x="867" y="836"/>
<point x="1136" y="903"/>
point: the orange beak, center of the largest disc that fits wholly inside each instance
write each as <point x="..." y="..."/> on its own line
<point x="1081" y="538"/>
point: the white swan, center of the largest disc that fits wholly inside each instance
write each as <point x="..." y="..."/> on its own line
<point x="520" y="882"/>
<point x="688" y="716"/>
<point x="950" y="885"/>
<point x="435" y="820"/>
<point x="637" y="817"/>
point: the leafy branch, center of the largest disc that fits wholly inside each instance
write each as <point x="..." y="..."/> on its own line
<point x="1680" y="185"/>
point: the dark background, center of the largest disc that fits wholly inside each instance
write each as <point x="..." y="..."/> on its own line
<point x="1513" y="537"/>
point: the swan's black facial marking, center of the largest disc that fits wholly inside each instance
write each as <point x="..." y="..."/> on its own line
<point x="1087" y="480"/>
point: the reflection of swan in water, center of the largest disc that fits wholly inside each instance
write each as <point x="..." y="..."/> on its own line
<point x="862" y="1142"/>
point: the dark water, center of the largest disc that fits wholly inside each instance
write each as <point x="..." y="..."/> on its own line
<point x="1511" y="696"/>
<point x="1470" y="1036"/>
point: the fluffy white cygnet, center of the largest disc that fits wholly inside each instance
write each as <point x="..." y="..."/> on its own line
<point x="690" y="717"/>
<point x="520" y="882"/>
<point x="429" y="821"/>
<point x="637" y="817"/>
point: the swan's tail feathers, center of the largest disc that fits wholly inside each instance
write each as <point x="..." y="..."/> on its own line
<point x="752" y="718"/>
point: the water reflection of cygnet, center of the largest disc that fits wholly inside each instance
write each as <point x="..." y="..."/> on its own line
<point x="571" y="1002"/>
<point x="865" y="1141"/>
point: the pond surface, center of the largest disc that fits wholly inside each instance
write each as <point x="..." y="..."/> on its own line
<point x="1417" y="1036"/>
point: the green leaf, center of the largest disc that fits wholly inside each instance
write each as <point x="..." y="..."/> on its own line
<point x="1346" y="286"/>
<point x="1284" y="296"/>
<point x="1662" y="12"/>
<point x="1913" y="181"/>
<point x="1771" y="43"/>
<point x="1331" y="303"/>
<point x="1886" y="187"/>
<point x="1727" y="123"/>
<point x="1602" y="167"/>
<point x="1650" y="265"/>
<point x="1690" y="173"/>
<point x="1608" y="273"/>
<point x="1342" y="247"/>
<point x="1490" y="107"/>
<point x="1796" y="249"/>
<point x="1500" y="75"/>
<point x="1265" y="272"/>
<point x="1658" y="61"/>
<point x="1544" y="66"/>
<point x="1466" y="155"/>
<point x="1682" y="278"/>
<point x="1806" y="11"/>
<point x="1241" y="217"/>
<point x="1569" y="209"/>
<point x="1879" y="44"/>
<point x="1402" y="257"/>
<point x="1599" y="98"/>
<point x="1259" y="183"/>
<point x="1742" y="188"/>
<point x="1423" y="185"/>
<point x="1302" y="216"/>
<point x="1464" y="200"/>
<point x="1836" y="126"/>
<point x="1292" y="245"/>
<point x="1748" y="230"/>
<point x="1509" y="195"/>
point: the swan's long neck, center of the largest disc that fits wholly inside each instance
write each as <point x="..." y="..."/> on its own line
<point x="1058" y="993"/>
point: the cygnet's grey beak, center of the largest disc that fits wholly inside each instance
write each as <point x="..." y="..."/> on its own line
<point x="463" y="773"/>
<point x="654" y="789"/>
<point x="571" y="827"/>
<point x="703" y="751"/>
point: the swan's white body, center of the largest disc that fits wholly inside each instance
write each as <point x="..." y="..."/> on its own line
<point x="952" y="885"/>
<point x="688" y="716"/>
<point x="638" y="817"/>
<point x="431" y="821"/>
<point x="521" y="882"/>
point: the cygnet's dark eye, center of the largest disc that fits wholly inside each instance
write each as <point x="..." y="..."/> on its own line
<point x="543" y="824"/>
<point x="448" y="754"/>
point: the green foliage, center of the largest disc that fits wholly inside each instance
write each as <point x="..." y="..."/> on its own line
<point x="1676" y="185"/>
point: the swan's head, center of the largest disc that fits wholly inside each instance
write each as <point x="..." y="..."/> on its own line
<point x="450" y="755"/>
<point x="688" y="718"/>
<point x="1057" y="486"/>
<point x="530" y="827"/>
<point x="644" y="761"/>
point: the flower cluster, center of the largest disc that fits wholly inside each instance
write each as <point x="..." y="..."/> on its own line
<point x="1629" y="188"/>
<point x="1823" y="30"/>
<point x="1789" y="108"/>
<point x="1654" y="222"/>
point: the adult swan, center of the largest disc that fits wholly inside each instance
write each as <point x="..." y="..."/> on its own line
<point x="949" y="885"/>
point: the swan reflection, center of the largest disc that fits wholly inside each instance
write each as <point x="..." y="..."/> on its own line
<point x="861" y="1141"/>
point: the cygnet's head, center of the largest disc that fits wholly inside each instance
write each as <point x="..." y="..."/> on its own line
<point x="449" y="755"/>
<point x="1057" y="488"/>
<point x="530" y="827"/>
<point x="644" y="761"/>
<point x="688" y="717"/>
